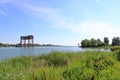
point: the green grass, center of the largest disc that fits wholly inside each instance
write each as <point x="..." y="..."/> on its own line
<point x="89" y="65"/>
<point x="112" y="48"/>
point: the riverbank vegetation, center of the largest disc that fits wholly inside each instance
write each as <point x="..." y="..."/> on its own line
<point x="6" y="45"/>
<point x="94" y="42"/>
<point x="89" y="65"/>
<point x="18" y="45"/>
<point x="97" y="43"/>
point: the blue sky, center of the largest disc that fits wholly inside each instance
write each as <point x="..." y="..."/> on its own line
<point x="63" y="22"/>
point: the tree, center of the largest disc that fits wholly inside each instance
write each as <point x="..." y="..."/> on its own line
<point x="85" y="43"/>
<point x="106" y="41"/>
<point x="99" y="42"/>
<point x="91" y="43"/>
<point x="116" y="41"/>
<point x="113" y="41"/>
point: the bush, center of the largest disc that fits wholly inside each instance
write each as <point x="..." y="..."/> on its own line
<point x="57" y="59"/>
<point x="89" y="65"/>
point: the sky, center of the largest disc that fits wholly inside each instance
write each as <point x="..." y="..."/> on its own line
<point x="60" y="22"/>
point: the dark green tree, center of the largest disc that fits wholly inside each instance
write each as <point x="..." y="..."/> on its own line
<point x="91" y="43"/>
<point x="106" y="41"/>
<point x="116" y="41"/>
<point x="113" y="41"/>
<point x="99" y="42"/>
<point x="85" y="43"/>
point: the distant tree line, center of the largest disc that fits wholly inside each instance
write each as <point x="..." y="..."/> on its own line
<point x="116" y="41"/>
<point x="6" y="45"/>
<point x="97" y="42"/>
<point x="18" y="45"/>
<point x="94" y="42"/>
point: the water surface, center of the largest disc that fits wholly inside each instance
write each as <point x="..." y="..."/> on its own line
<point x="9" y="52"/>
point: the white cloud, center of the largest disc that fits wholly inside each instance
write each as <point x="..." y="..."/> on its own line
<point x="39" y="11"/>
<point x="30" y="8"/>
<point x="92" y="28"/>
<point x="46" y="13"/>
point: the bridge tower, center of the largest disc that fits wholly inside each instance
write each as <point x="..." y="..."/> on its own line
<point x="27" y="41"/>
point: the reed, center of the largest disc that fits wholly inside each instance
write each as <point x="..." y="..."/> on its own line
<point x="89" y="65"/>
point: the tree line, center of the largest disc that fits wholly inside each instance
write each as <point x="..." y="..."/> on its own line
<point x="97" y="42"/>
<point x="116" y="41"/>
<point x="6" y="45"/>
<point x="18" y="45"/>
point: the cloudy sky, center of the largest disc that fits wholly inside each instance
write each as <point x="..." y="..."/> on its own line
<point x="64" y="22"/>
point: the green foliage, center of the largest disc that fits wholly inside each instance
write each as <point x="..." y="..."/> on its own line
<point x="95" y="65"/>
<point x="116" y="41"/>
<point x="78" y="73"/>
<point x="57" y="59"/>
<point x="114" y="48"/>
<point x="98" y="43"/>
<point x="85" y="43"/>
<point x="106" y="41"/>
<point x="117" y="55"/>
<point x="91" y="43"/>
<point x="103" y="63"/>
<point x="89" y="65"/>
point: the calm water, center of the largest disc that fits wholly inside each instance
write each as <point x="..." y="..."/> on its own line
<point x="13" y="51"/>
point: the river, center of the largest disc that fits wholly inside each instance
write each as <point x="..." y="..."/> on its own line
<point x="9" y="52"/>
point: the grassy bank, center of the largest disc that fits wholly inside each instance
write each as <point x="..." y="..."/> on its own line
<point x="90" y="65"/>
<point x="112" y="48"/>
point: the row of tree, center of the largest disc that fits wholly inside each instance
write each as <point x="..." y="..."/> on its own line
<point x="116" y="41"/>
<point x="94" y="42"/>
<point x="97" y="42"/>
<point x="6" y="45"/>
<point x="18" y="45"/>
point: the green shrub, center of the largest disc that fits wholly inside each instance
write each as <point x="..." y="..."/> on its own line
<point x="89" y="65"/>
<point x="57" y="59"/>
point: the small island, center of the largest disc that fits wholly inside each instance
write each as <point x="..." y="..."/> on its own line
<point x="97" y="43"/>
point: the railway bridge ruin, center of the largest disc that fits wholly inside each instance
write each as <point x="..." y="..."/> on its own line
<point x="27" y="41"/>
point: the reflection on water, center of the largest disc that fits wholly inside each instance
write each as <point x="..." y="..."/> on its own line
<point x="26" y="51"/>
<point x="95" y="49"/>
<point x="9" y="52"/>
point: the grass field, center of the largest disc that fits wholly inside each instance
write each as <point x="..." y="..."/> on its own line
<point x="89" y="65"/>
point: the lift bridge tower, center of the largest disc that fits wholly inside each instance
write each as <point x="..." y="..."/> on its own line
<point x="27" y="41"/>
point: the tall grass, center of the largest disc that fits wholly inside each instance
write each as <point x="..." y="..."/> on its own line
<point x="89" y="65"/>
